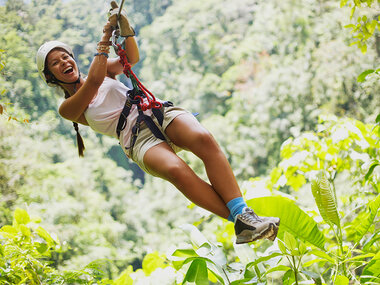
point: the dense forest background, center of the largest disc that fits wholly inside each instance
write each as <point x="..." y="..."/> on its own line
<point x="258" y="72"/>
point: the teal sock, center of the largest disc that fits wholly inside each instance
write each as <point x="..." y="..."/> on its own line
<point x="236" y="207"/>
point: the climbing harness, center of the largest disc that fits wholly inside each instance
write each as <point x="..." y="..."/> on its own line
<point x="139" y="96"/>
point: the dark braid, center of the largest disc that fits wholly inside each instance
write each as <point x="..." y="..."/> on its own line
<point x="80" y="142"/>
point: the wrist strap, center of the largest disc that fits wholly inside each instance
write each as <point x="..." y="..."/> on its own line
<point x="101" y="53"/>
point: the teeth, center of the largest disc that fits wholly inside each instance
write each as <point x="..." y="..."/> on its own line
<point x="67" y="69"/>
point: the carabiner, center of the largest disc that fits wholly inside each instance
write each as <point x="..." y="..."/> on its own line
<point x="114" y="38"/>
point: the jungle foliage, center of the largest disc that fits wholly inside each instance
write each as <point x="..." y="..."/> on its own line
<point x="290" y="90"/>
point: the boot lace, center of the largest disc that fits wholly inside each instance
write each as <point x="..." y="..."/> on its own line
<point x="250" y="216"/>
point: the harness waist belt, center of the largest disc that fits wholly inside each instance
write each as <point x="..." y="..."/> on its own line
<point x="158" y="113"/>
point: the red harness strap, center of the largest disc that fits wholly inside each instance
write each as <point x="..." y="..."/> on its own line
<point x="152" y="102"/>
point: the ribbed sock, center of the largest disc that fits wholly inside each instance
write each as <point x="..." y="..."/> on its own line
<point x="236" y="207"/>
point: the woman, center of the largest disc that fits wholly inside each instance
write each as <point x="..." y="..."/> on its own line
<point x="98" y="100"/>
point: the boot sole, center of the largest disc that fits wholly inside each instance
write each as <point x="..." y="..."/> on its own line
<point x="248" y="236"/>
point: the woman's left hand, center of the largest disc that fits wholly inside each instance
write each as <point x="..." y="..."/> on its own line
<point x="107" y="30"/>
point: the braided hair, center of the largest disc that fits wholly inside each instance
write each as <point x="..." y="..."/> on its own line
<point x="80" y="142"/>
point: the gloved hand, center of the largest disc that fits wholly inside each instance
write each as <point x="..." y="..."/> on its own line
<point x="125" y="29"/>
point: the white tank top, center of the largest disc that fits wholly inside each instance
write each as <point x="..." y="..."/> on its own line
<point x="103" y="112"/>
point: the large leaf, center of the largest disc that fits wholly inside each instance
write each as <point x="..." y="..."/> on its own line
<point x="367" y="220"/>
<point x="197" y="273"/>
<point x="293" y="219"/>
<point x="326" y="199"/>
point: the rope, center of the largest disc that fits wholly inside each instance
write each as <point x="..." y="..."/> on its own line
<point x="127" y="70"/>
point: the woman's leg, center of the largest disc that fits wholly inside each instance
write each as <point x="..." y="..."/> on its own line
<point x="161" y="161"/>
<point x="186" y="132"/>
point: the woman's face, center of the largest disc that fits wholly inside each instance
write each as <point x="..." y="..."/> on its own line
<point x="62" y="65"/>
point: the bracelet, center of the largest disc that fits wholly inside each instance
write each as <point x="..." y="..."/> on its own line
<point x="101" y="53"/>
<point x="103" y="48"/>
<point x="106" y="43"/>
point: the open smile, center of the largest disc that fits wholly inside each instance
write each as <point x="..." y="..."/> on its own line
<point x="68" y="70"/>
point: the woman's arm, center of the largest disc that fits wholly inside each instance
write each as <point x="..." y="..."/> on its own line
<point x="73" y="107"/>
<point x="113" y="65"/>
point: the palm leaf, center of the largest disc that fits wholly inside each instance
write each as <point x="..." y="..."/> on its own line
<point x="293" y="219"/>
<point x="325" y="198"/>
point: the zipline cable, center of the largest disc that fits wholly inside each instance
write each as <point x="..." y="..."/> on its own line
<point x="120" y="8"/>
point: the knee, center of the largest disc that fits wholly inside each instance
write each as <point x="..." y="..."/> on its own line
<point x="204" y="143"/>
<point x="175" y="172"/>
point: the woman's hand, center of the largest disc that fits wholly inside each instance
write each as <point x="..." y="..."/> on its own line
<point x="107" y="31"/>
<point x="122" y="22"/>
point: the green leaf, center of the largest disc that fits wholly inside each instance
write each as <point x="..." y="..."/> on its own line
<point x="184" y="253"/>
<point x="21" y="216"/>
<point x="9" y="229"/>
<point x="41" y="247"/>
<point x="350" y="26"/>
<point x="197" y="273"/>
<point x="278" y="268"/>
<point x="288" y="278"/>
<point x="302" y="248"/>
<point x="363" y="48"/>
<point x="363" y="75"/>
<point x="282" y="247"/>
<point x="323" y="255"/>
<point x="25" y="231"/>
<point x="359" y="257"/>
<point x="262" y="259"/>
<point x="352" y="12"/>
<point x="371" y="169"/>
<point x="125" y="278"/>
<point x="152" y="261"/>
<point x="311" y="262"/>
<point x="325" y="198"/>
<point x="367" y="220"/>
<point x="371" y="240"/>
<point x="180" y="255"/>
<point x="290" y="242"/>
<point x="46" y="236"/>
<point x="293" y="219"/>
<point x="343" y="3"/>
<point x="354" y="43"/>
<point x="341" y="280"/>
<point x="372" y="268"/>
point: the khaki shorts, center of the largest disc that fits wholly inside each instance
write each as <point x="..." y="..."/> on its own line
<point x="146" y="139"/>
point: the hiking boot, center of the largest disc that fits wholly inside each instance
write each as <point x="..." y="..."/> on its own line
<point x="250" y="227"/>
<point x="276" y="222"/>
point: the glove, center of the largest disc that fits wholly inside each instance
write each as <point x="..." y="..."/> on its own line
<point x="125" y="29"/>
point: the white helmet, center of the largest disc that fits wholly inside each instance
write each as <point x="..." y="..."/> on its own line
<point x="43" y="52"/>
